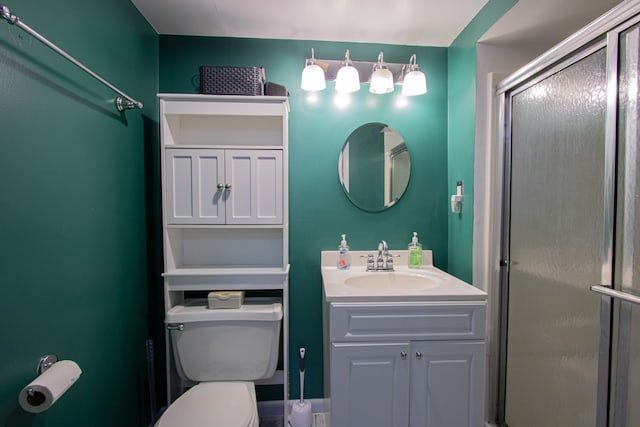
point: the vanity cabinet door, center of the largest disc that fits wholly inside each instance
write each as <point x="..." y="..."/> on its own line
<point x="447" y="384"/>
<point x="370" y="385"/>
<point x="192" y="193"/>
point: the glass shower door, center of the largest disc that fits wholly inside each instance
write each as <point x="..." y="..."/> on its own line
<point x="626" y="343"/>
<point x="557" y="245"/>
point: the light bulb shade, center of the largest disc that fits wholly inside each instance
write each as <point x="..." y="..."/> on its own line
<point x="313" y="78"/>
<point x="381" y="81"/>
<point x="414" y="83"/>
<point x="347" y="80"/>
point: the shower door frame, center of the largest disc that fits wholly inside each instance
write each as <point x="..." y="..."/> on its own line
<point x="602" y="33"/>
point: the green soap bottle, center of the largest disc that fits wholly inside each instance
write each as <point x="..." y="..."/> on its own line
<point x="415" y="252"/>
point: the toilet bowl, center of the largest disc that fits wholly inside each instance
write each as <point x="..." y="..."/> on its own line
<point x="214" y="404"/>
<point x="224" y="351"/>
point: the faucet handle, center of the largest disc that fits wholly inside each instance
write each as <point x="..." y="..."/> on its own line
<point x="370" y="263"/>
<point x="390" y="262"/>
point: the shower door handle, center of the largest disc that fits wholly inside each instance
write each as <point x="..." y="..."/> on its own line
<point x="613" y="293"/>
<point x="607" y="294"/>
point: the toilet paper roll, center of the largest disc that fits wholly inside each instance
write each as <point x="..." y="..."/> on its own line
<point x="46" y="389"/>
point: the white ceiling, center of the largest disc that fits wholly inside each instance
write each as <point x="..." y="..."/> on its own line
<point x="400" y="22"/>
<point x="545" y="22"/>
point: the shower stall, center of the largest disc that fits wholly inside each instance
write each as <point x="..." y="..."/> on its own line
<point x="570" y="270"/>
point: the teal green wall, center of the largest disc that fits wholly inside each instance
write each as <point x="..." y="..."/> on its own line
<point x="319" y="210"/>
<point x="461" y="132"/>
<point x="73" y="177"/>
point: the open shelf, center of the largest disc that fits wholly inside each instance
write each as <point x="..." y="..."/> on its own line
<point x="198" y="248"/>
<point x="230" y="279"/>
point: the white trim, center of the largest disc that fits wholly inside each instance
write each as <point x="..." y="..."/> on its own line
<point x="486" y="234"/>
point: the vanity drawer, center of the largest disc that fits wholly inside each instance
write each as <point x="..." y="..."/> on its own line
<point x="441" y="320"/>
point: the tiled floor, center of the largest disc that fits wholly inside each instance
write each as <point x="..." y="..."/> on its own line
<point x="276" y="421"/>
<point x="319" y="420"/>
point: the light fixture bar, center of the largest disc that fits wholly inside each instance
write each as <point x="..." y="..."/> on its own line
<point x="348" y="75"/>
<point x="365" y="68"/>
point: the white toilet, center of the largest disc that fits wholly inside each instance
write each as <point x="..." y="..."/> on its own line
<point x="223" y="350"/>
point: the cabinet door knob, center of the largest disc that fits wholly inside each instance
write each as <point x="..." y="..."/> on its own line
<point x="418" y="355"/>
<point x="403" y="355"/>
<point x="227" y="187"/>
<point x="219" y="186"/>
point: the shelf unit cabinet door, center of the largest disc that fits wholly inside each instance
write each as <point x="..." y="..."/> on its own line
<point x="370" y="385"/>
<point x="192" y="192"/>
<point x="255" y="180"/>
<point x="447" y="384"/>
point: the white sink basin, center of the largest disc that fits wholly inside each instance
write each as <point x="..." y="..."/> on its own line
<point x="392" y="281"/>
<point x="405" y="284"/>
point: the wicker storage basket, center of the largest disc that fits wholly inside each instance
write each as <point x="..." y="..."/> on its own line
<point x="222" y="80"/>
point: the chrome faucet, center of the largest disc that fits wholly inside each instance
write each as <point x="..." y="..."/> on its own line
<point x="384" y="261"/>
<point x="383" y="250"/>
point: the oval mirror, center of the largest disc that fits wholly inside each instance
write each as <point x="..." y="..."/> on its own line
<point x="374" y="167"/>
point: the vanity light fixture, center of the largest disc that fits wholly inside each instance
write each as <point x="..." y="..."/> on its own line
<point x="348" y="78"/>
<point x="381" y="77"/>
<point x="414" y="81"/>
<point x="313" y="75"/>
<point x="348" y="74"/>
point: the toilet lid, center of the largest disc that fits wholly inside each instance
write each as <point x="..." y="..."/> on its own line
<point x="213" y="404"/>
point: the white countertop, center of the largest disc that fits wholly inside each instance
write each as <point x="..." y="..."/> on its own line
<point x="449" y="288"/>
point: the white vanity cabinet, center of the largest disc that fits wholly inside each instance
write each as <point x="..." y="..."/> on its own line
<point x="370" y="384"/>
<point x="407" y="364"/>
<point x="447" y="383"/>
<point x="225" y="204"/>
<point x="214" y="186"/>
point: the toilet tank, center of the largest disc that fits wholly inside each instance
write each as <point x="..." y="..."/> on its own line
<point x="225" y="344"/>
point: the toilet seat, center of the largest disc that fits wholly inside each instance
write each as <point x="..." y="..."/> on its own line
<point x="214" y="404"/>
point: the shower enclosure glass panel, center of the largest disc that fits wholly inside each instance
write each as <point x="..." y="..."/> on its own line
<point x="556" y="247"/>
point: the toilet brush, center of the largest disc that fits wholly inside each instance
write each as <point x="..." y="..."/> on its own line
<point x="301" y="415"/>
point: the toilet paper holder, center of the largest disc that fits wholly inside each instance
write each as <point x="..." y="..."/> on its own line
<point x="53" y="380"/>
<point x="45" y="363"/>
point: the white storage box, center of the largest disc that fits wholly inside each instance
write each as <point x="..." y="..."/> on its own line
<point x="226" y="299"/>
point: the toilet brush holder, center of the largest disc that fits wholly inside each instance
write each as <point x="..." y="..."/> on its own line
<point x="301" y="415"/>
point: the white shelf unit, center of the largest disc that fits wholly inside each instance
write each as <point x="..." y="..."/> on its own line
<point x="225" y="221"/>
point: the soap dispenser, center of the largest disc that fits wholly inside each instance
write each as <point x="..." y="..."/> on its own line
<point x="344" y="257"/>
<point x="415" y="252"/>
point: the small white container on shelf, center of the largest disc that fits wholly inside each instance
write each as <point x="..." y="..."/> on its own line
<point x="225" y="299"/>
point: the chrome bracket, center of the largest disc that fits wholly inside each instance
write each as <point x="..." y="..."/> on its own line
<point x="46" y="362"/>
<point x="6" y="14"/>
<point x="123" y="104"/>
